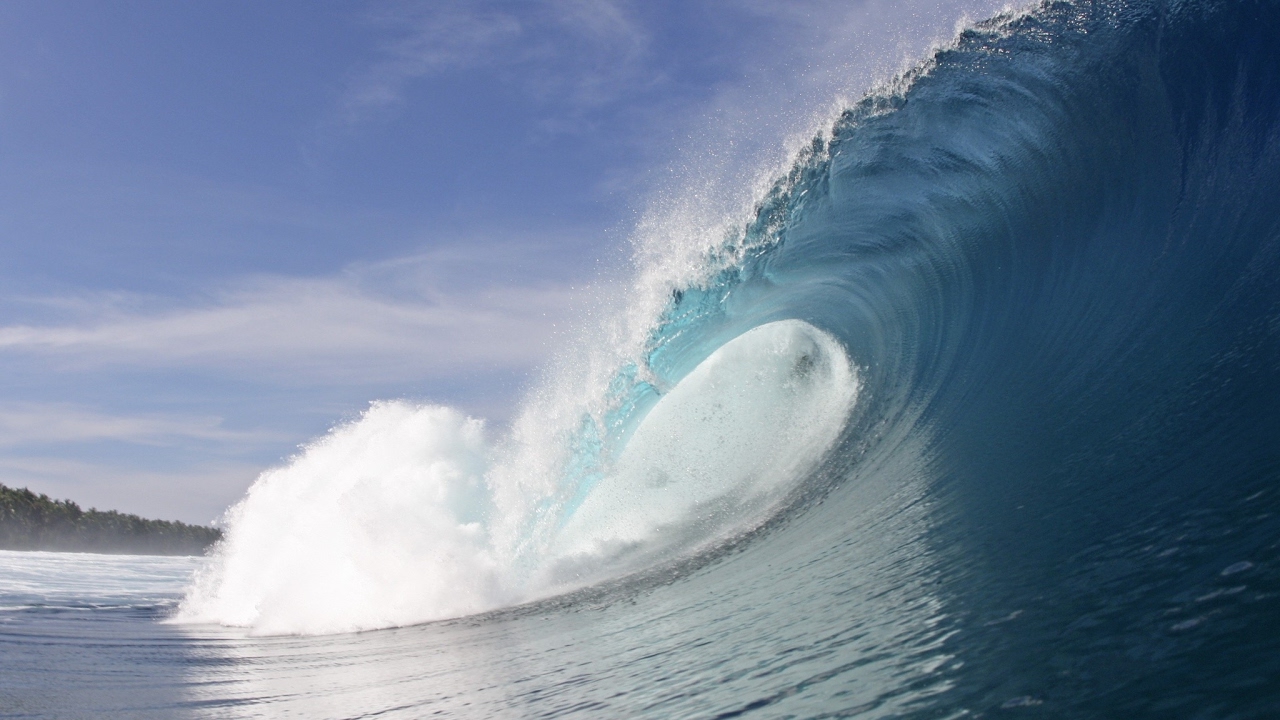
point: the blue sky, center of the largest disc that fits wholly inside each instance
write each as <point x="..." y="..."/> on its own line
<point x="226" y="226"/>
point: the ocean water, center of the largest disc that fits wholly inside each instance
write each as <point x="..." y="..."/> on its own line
<point x="976" y="413"/>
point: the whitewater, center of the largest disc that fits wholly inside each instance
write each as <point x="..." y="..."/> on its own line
<point x="973" y="412"/>
<point x="402" y="516"/>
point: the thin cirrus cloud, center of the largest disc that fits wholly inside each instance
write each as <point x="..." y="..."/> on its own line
<point x="576" y="53"/>
<point x="27" y="424"/>
<point x="377" y="323"/>
<point x="428" y="40"/>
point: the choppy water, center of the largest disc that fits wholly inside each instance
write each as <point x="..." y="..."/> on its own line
<point x="977" y="415"/>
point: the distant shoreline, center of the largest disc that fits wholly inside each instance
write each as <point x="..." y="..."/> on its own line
<point x="33" y="522"/>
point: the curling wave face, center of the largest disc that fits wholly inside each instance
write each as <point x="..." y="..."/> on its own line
<point x="1046" y="263"/>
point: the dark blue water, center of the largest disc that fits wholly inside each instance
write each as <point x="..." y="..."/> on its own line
<point x="1054" y="254"/>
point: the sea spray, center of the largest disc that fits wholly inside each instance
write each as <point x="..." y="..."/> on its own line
<point x="378" y="523"/>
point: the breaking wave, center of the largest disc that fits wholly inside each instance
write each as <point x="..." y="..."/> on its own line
<point x="993" y="370"/>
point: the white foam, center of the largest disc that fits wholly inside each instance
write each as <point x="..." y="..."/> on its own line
<point x="377" y="524"/>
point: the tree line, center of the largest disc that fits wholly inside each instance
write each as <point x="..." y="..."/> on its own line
<point x="35" y="522"/>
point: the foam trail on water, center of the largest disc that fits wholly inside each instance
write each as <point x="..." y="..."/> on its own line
<point x="409" y="514"/>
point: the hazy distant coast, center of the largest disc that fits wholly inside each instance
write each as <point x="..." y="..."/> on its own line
<point x="35" y="522"/>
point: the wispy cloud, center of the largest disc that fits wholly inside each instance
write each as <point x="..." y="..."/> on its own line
<point x="43" y="423"/>
<point x="594" y="52"/>
<point x="426" y="38"/>
<point x="577" y="53"/>
<point x="416" y="318"/>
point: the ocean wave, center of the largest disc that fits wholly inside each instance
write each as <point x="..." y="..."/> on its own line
<point x="1038" y="283"/>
